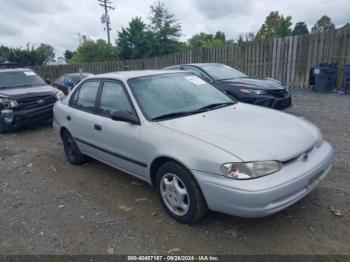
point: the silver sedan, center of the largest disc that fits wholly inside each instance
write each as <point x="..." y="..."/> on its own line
<point x="197" y="147"/>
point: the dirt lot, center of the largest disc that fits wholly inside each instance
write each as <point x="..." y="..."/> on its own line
<point x="51" y="207"/>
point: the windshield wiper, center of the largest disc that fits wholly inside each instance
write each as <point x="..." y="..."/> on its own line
<point x="174" y="114"/>
<point x="215" y="105"/>
<point x="186" y="113"/>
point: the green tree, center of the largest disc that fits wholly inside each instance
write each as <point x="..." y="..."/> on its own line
<point x="346" y="28"/>
<point x="95" y="51"/>
<point x="323" y="24"/>
<point x="181" y="47"/>
<point x="134" y="41"/>
<point x="68" y="54"/>
<point x="165" y="30"/>
<point x="207" y="40"/>
<point x="220" y="36"/>
<point x="219" y="40"/>
<point x="30" y="56"/>
<point x="46" y="51"/>
<point x="300" y="28"/>
<point x="124" y="45"/>
<point x="200" y="40"/>
<point x="3" y="53"/>
<point x="246" y="37"/>
<point x="274" y="26"/>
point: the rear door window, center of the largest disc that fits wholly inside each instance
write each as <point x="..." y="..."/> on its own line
<point x="85" y="98"/>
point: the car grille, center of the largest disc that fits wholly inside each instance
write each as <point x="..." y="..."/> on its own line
<point x="34" y="102"/>
<point x="278" y="93"/>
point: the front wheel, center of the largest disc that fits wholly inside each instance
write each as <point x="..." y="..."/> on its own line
<point x="179" y="193"/>
<point x="3" y="128"/>
<point x="72" y="150"/>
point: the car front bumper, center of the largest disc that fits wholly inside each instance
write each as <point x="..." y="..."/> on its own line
<point x="17" y="119"/>
<point x="266" y="100"/>
<point x="266" y="195"/>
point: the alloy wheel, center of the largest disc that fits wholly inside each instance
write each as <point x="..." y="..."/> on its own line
<point x="174" y="194"/>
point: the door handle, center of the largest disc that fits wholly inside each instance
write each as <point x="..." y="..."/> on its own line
<point x="69" y="118"/>
<point x="98" y="127"/>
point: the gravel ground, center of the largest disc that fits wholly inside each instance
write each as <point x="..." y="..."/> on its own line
<point x="51" y="207"/>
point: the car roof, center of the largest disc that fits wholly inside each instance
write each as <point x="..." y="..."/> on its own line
<point x="78" y="74"/>
<point x="126" y="75"/>
<point x="196" y="64"/>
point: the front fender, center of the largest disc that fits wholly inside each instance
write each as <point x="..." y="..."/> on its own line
<point x="192" y="153"/>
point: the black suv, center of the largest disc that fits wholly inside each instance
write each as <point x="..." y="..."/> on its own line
<point x="25" y="97"/>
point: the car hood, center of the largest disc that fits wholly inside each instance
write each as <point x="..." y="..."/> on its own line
<point x="26" y="92"/>
<point x="253" y="83"/>
<point x="249" y="132"/>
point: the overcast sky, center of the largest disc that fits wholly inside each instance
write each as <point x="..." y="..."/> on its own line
<point x="58" y="22"/>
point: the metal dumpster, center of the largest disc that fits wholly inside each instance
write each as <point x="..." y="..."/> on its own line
<point x="325" y="78"/>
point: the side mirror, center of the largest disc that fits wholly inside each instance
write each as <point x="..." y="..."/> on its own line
<point x="125" y="116"/>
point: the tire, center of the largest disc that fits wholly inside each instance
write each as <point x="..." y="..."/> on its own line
<point x="3" y="128"/>
<point x="196" y="205"/>
<point x="72" y="150"/>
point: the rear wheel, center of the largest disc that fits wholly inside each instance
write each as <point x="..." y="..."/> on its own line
<point x="179" y="193"/>
<point x="72" y="150"/>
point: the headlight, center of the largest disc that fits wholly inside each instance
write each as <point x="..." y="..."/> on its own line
<point x="252" y="91"/>
<point x="8" y="103"/>
<point x="320" y="139"/>
<point x="250" y="169"/>
<point x="60" y="95"/>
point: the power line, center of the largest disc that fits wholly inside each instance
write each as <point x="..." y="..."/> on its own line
<point x="107" y="5"/>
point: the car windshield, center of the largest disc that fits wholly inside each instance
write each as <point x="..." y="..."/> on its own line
<point x="221" y="72"/>
<point x="174" y="95"/>
<point x="19" y="79"/>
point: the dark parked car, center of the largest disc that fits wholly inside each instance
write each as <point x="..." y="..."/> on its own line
<point x="25" y="97"/>
<point x="259" y="91"/>
<point x="66" y="82"/>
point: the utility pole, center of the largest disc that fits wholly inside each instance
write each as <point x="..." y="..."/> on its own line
<point x="106" y="4"/>
<point x="79" y="35"/>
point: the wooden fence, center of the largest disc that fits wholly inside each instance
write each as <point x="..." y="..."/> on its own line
<point x="287" y="59"/>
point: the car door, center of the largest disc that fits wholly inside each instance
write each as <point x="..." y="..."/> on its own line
<point x="81" y="115"/>
<point x="119" y="142"/>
